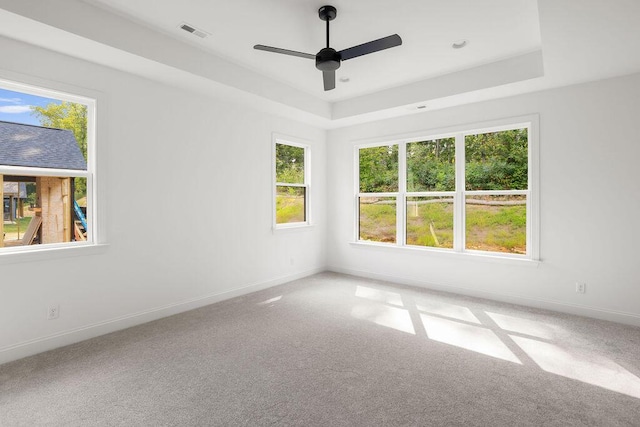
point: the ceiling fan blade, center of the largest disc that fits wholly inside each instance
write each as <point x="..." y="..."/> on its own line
<point x="329" y="78"/>
<point x="371" y="47"/>
<point x="284" y="51"/>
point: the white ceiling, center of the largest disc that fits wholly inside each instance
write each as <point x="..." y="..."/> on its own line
<point x="495" y="29"/>
<point x="515" y="47"/>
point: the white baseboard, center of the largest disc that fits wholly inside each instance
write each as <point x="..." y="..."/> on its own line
<point x="562" y="307"/>
<point x="50" y="342"/>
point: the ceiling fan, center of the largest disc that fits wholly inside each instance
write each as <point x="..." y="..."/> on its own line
<point x="328" y="59"/>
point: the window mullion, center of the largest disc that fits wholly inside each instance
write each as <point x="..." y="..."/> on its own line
<point x="284" y="184"/>
<point x="401" y="201"/>
<point x="35" y="171"/>
<point x="458" y="203"/>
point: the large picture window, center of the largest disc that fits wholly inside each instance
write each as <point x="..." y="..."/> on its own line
<point x="291" y="197"/>
<point x="46" y="168"/>
<point x="467" y="191"/>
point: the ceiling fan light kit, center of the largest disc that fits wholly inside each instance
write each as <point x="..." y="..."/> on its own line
<point x="328" y="60"/>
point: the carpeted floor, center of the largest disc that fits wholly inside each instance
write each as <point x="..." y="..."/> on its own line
<point x="334" y="350"/>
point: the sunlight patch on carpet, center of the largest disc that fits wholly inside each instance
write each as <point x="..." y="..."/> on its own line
<point x="469" y="337"/>
<point x="453" y="311"/>
<point x="391" y="317"/>
<point x="581" y="365"/>
<point x="270" y="300"/>
<point x="526" y="326"/>
<point x="378" y="295"/>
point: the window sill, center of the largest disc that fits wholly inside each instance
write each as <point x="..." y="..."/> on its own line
<point x="301" y="226"/>
<point x="467" y="256"/>
<point x="48" y="252"/>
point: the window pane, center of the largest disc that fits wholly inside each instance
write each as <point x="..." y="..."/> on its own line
<point x="497" y="160"/>
<point x="80" y="225"/>
<point x="430" y="221"/>
<point x="289" y="164"/>
<point x="290" y="204"/>
<point x="496" y="223"/>
<point x="379" y="169"/>
<point x="39" y="210"/>
<point x="377" y="222"/>
<point x="431" y="165"/>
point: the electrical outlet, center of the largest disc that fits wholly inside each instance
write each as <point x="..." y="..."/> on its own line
<point x="53" y="312"/>
<point x="581" y="288"/>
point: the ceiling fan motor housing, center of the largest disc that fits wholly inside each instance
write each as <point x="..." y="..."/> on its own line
<point x="328" y="59"/>
<point x="327" y="13"/>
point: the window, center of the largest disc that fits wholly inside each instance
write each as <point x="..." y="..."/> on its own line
<point x="46" y="168"/>
<point x="378" y="195"/>
<point x="467" y="191"/>
<point x="291" y="194"/>
<point x="430" y="194"/>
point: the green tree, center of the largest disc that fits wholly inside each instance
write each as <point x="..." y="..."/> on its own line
<point x="431" y="165"/>
<point x="379" y="169"/>
<point x="70" y="116"/>
<point x="289" y="164"/>
<point x="497" y="160"/>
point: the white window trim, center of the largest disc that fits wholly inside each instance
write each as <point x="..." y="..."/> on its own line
<point x="459" y="132"/>
<point x="96" y="238"/>
<point x="294" y="142"/>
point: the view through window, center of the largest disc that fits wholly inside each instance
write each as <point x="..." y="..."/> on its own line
<point x="45" y="175"/>
<point x="292" y="184"/>
<point x="463" y="192"/>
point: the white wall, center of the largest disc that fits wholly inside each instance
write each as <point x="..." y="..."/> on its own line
<point x="589" y="204"/>
<point x="166" y="146"/>
<point x="188" y="204"/>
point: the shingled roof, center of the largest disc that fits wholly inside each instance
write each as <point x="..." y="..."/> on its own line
<point x="39" y="147"/>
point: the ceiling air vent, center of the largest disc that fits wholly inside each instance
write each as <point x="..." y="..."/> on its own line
<point x="193" y="30"/>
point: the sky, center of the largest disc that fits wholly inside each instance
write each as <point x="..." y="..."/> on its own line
<point x="16" y="106"/>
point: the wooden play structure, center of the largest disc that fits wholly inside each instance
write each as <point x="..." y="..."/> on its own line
<point x="56" y="216"/>
<point x="53" y="218"/>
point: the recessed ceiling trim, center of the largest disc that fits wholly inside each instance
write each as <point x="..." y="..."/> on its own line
<point x="76" y="24"/>
<point x="495" y="74"/>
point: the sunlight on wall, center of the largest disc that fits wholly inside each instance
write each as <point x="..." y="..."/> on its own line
<point x="474" y="338"/>
<point x="526" y="326"/>
<point x="448" y="310"/>
<point x="391" y="317"/>
<point x="393" y="298"/>
<point x="581" y="365"/>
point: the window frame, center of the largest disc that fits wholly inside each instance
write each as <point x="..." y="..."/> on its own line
<point x="299" y="143"/>
<point x="95" y="233"/>
<point x="530" y="122"/>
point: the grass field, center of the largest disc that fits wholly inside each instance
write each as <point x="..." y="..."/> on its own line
<point x="378" y="219"/>
<point x="429" y="222"/>
<point x="493" y="228"/>
<point x="11" y="230"/>
<point x="497" y="228"/>
<point x="289" y="208"/>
